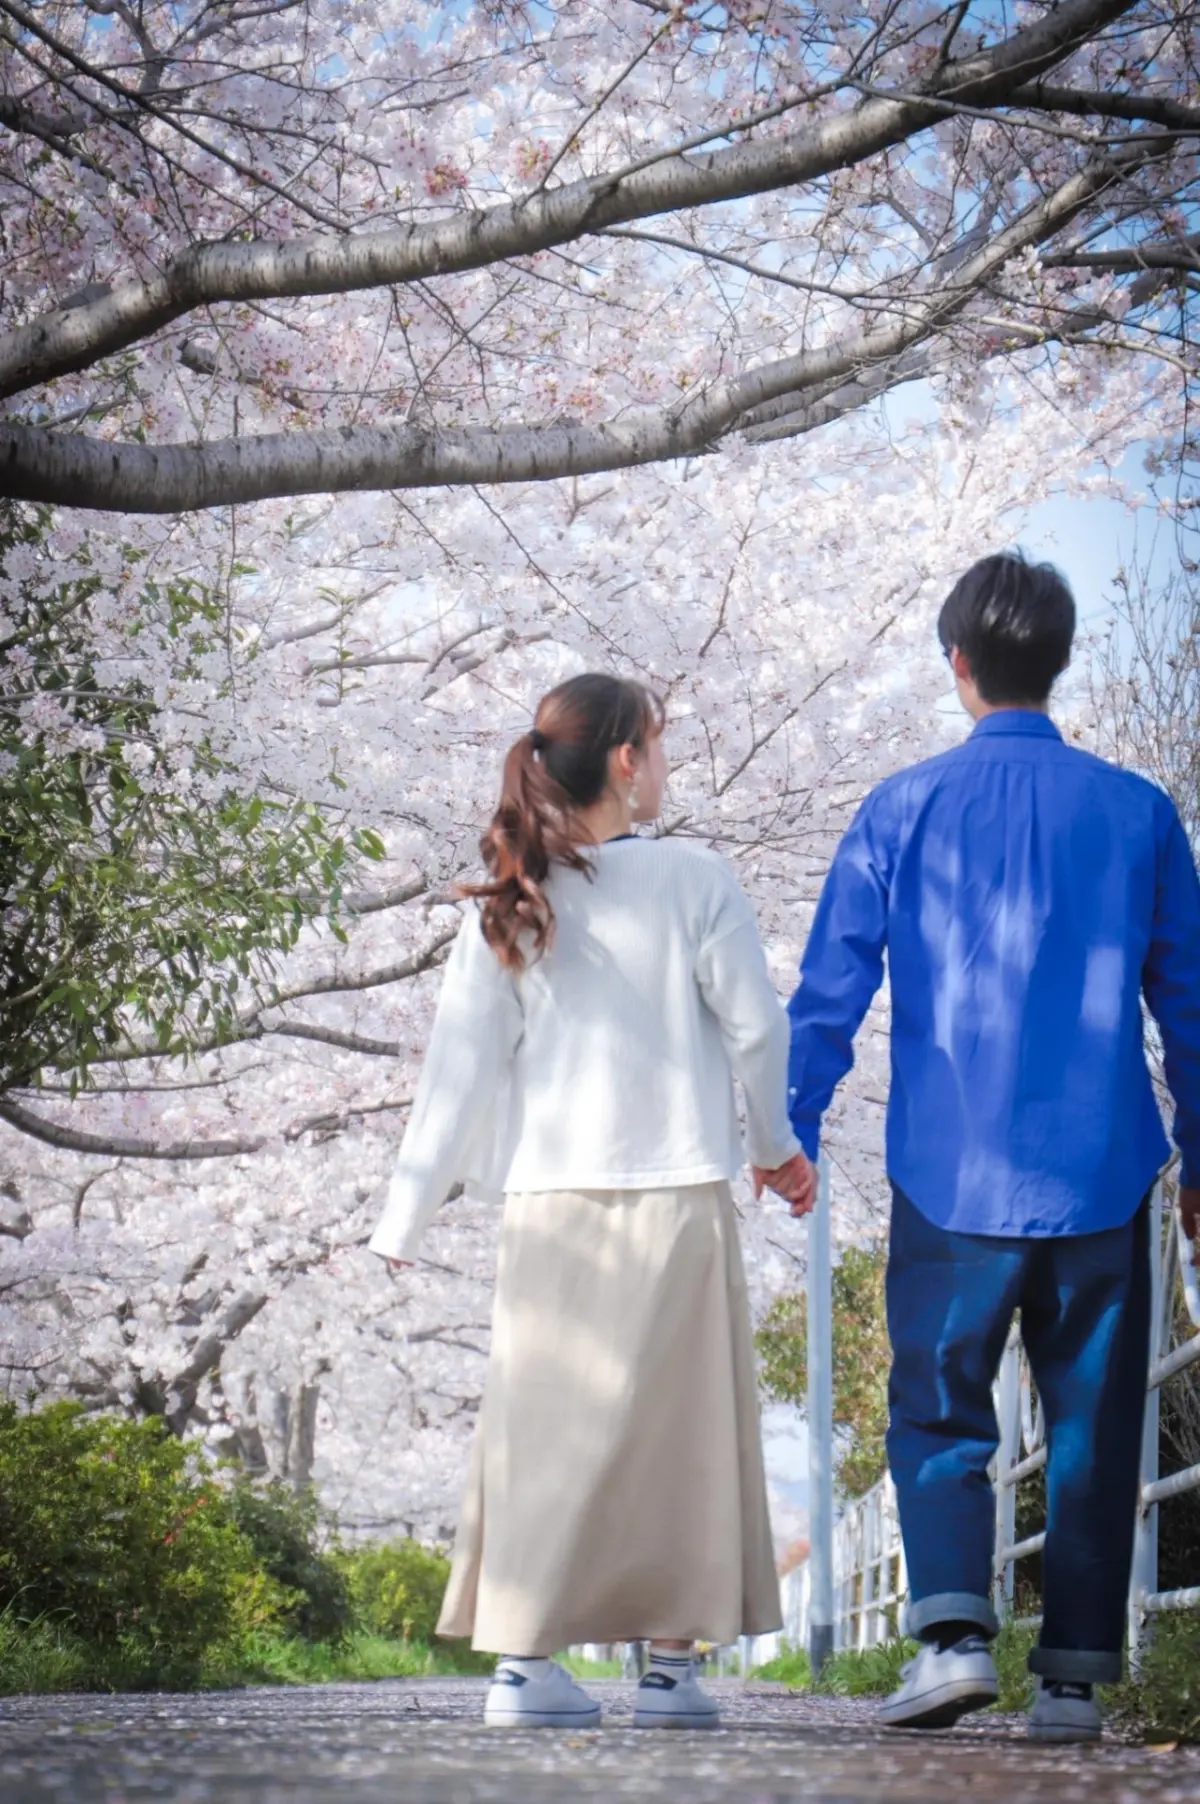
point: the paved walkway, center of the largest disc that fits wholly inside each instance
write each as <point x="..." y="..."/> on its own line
<point x="420" y="1742"/>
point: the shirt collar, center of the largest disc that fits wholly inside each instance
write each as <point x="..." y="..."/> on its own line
<point x="1024" y="723"/>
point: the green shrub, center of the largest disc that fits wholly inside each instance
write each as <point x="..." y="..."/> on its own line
<point x="397" y="1587"/>
<point x="114" y="1536"/>
<point x="861" y="1360"/>
<point x="1163" y="1702"/>
<point x="284" y="1528"/>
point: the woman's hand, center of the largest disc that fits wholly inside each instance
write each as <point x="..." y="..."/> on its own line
<point x="399" y="1265"/>
<point x="795" y="1181"/>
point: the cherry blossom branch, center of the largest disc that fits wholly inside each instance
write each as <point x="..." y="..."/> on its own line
<point x="1144" y="109"/>
<point x="140" y="101"/>
<point x="46" y="467"/>
<point x="76" y="1140"/>
<point x="333" y="1036"/>
<point x="251" y="1025"/>
<point x="1183" y="254"/>
<point x="64" y="341"/>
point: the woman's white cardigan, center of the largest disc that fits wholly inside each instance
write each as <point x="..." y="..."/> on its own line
<point x="608" y="1063"/>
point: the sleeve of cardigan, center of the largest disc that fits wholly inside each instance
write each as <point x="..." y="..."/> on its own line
<point x="731" y="970"/>
<point x="475" y="1033"/>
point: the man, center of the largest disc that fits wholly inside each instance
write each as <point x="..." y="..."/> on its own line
<point x="1028" y="896"/>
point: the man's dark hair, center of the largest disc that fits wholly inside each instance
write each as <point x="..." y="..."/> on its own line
<point x="1013" y="622"/>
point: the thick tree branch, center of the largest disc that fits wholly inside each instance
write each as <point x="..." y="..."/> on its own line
<point x="250" y="1025"/>
<point x="49" y="467"/>
<point x="366" y="902"/>
<point x="73" y="1140"/>
<point x="1179" y="253"/>
<point x="1144" y="109"/>
<point x="332" y="1036"/>
<point x="67" y="340"/>
<point x="25" y="120"/>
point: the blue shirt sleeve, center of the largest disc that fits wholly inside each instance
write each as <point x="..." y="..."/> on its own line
<point x="840" y="972"/>
<point x="1171" y="985"/>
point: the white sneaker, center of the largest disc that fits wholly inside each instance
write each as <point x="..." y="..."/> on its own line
<point x="668" y="1702"/>
<point x="1063" y="1712"/>
<point x="942" y="1685"/>
<point x="549" y="1700"/>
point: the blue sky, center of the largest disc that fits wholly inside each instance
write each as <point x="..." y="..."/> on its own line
<point x="1090" y="538"/>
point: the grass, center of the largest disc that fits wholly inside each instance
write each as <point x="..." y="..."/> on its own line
<point x="273" y="1660"/>
<point x="791" y="1667"/>
<point x="41" y="1656"/>
<point x="1162" y="1705"/>
<point x="847" y="1674"/>
<point x="46" y="1656"/>
<point x="590" y="1669"/>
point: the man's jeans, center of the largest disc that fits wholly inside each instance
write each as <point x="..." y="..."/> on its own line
<point x="1085" y="1321"/>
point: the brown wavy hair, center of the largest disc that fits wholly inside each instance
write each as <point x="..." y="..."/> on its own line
<point x="554" y="770"/>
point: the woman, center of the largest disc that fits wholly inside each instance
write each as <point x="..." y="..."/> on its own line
<point x="602" y="993"/>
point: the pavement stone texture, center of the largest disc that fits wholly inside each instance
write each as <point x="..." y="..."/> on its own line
<point x="421" y="1741"/>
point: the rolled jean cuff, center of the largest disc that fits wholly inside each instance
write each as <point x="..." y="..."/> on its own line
<point x="1077" y="1666"/>
<point x="950" y="1606"/>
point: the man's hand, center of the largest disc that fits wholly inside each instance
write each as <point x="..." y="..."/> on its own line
<point x="399" y="1265"/>
<point x="1189" y="1210"/>
<point x="795" y="1181"/>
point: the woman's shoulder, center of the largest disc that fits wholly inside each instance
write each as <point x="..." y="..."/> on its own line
<point x="687" y="865"/>
<point x="693" y="854"/>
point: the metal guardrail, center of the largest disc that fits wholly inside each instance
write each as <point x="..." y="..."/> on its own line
<point x="850" y="1592"/>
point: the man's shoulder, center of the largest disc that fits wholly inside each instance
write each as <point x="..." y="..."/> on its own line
<point x="1103" y="777"/>
<point x="958" y="763"/>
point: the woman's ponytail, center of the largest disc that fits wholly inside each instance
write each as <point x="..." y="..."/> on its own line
<point x="550" y="773"/>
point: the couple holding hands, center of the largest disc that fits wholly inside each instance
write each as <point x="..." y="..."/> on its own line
<point x="603" y="995"/>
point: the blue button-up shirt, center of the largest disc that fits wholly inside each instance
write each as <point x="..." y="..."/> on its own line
<point x="1028" y="896"/>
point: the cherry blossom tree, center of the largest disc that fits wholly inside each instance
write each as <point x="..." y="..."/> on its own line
<point x="258" y="250"/>
<point x="782" y="600"/>
<point x="451" y="350"/>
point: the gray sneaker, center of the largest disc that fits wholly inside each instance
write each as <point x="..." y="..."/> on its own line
<point x="1064" y="1712"/>
<point x="940" y="1685"/>
<point x="665" y="1701"/>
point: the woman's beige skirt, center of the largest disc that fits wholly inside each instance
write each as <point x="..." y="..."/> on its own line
<point x="616" y="1488"/>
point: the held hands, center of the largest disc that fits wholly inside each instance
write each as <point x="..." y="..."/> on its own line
<point x="795" y="1181"/>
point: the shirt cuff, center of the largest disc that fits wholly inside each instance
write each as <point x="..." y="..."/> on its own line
<point x="807" y="1129"/>
<point x="403" y="1222"/>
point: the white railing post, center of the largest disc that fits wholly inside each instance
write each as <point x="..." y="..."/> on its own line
<point x="820" y="1424"/>
<point x="1008" y="1412"/>
<point x="1143" y="1578"/>
<point x="868" y="1633"/>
